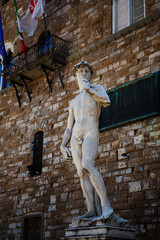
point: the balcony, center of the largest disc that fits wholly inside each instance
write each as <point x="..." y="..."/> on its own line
<point x="39" y="60"/>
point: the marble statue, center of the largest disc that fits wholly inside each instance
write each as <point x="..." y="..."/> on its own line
<point x="82" y="131"/>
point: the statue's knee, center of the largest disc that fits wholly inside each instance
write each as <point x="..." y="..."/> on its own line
<point x="80" y="173"/>
<point x="87" y="167"/>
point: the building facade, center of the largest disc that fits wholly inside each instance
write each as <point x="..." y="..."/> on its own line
<point x="121" y="41"/>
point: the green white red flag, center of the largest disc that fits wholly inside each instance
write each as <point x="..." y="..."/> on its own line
<point x="19" y="31"/>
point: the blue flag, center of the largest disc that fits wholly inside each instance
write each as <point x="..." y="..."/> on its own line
<point x="2" y="47"/>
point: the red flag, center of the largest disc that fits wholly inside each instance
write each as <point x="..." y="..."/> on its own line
<point x="30" y="20"/>
<point x="24" y="48"/>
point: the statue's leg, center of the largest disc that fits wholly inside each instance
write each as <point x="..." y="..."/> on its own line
<point x="86" y="185"/>
<point x="89" y="152"/>
<point x="97" y="203"/>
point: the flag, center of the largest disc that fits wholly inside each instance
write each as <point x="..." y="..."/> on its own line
<point x="3" y="53"/>
<point x="19" y="31"/>
<point x="30" y="20"/>
<point x="2" y="46"/>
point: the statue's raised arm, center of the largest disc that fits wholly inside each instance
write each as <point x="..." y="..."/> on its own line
<point x="99" y="94"/>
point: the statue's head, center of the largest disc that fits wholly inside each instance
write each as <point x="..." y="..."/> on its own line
<point x="83" y="64"/>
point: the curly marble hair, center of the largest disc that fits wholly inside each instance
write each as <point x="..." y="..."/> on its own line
<point x="82" y="64"/>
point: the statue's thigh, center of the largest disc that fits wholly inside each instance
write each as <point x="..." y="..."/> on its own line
<point x="76" y="151"/>
<point x="89" y="149"/>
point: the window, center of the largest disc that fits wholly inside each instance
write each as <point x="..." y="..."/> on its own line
<point x="32" y="227"/>
<point x="36" y="167"/>
<point x="132" y="101"/>
<point x="126" y="12"/>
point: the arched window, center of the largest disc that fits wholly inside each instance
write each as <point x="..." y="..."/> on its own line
<point x="36" y="167"/>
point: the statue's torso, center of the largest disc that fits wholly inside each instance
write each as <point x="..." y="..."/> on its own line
<point x="86" y="113"/>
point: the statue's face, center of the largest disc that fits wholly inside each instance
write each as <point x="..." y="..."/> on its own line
<point x="83" y="73"/>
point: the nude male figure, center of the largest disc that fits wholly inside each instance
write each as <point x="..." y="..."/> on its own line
<point x="82" y="130"/>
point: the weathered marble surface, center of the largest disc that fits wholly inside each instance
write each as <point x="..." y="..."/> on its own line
<point x="82" y="131"/>
<point x="114" y="221"/>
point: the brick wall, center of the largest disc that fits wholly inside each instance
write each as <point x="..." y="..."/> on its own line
<point x="132" y="182"/>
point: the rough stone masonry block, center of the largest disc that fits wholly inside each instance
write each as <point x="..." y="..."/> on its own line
<point x="138" y="139"/>
<point x="52" y="208"/>
<point x="135" y="186"/>
<point x="52" y="199"/>
<point x="64" y="197"/>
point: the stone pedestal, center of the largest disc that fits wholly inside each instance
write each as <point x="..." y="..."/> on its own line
<point x="100" y="229"/>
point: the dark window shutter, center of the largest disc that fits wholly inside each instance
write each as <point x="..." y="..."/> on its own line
<point x="38" y="148"/>
<point x="132" y="101"/>
<point x="36" y="167"/>
<point x="137" y="10"/>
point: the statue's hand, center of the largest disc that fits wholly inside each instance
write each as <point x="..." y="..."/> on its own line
<point x="66" y="152"/>
<point x="85" y="84"/>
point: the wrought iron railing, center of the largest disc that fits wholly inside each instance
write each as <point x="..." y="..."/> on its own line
<point x="54" y="45"/>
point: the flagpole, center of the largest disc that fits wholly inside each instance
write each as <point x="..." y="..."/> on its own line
<point x="1" y="82"/>
<point x="3" y="54"/>
<point x="44" y="19"/>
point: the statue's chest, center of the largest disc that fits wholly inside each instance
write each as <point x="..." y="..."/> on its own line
<point x="86" y="101"/>
<point x="86" y="106"/>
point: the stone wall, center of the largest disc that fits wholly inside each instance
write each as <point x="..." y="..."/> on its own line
<point x="132" y="182"/>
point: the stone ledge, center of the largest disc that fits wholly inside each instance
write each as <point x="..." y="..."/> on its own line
<point x="99" y="228"/>
<point x="98" y="231"/>
<point x="102" y="237"/>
